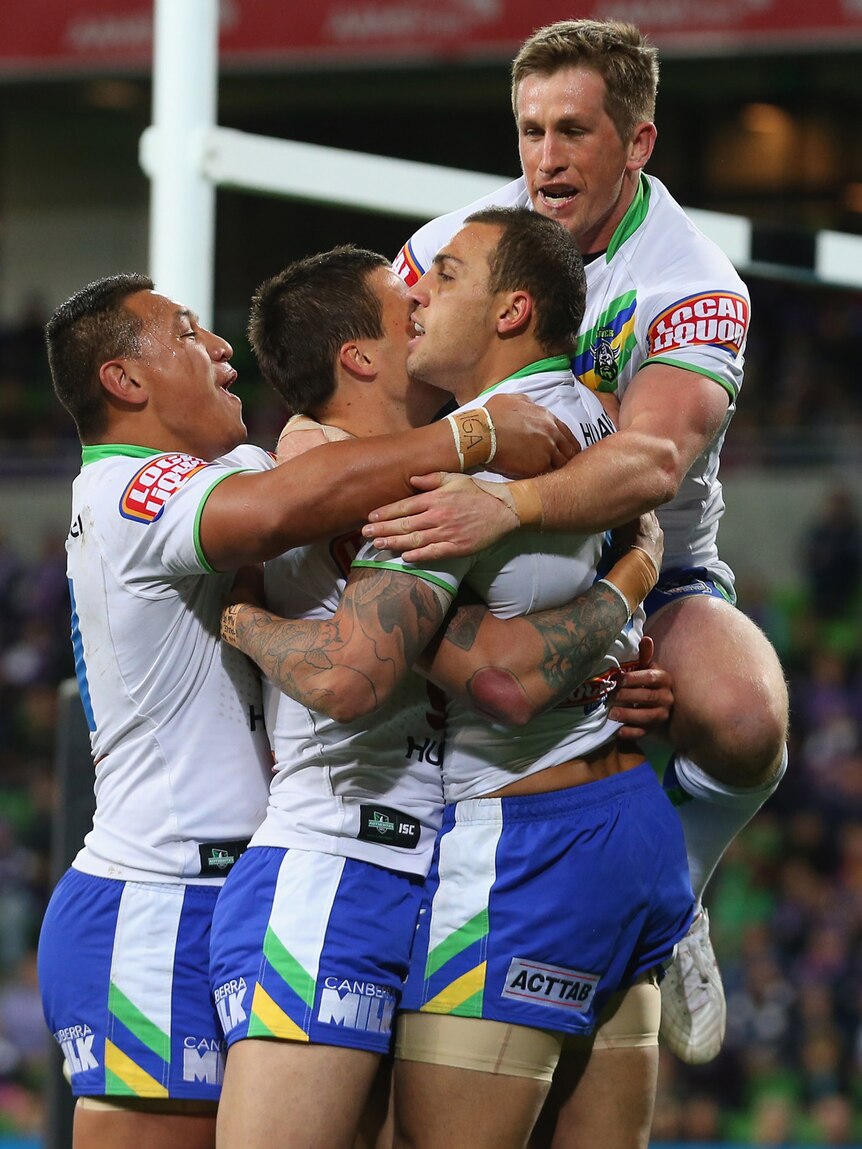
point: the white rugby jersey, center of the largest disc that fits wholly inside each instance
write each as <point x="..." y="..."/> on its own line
<point x="175" y="716"/>
<point x="662" y="293"/>
<point x="369" y="789"/>
<point x="525" y="572"/>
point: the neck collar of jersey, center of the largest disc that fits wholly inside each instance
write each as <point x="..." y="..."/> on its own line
<point x="108" y="450"/>
<point x="553" y="363"/>
<point x="632" y="220"/>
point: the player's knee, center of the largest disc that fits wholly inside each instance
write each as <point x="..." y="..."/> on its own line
<point x="743" y="746"/>
<point x="763" y="722"/>
<point x="742" y="742"/>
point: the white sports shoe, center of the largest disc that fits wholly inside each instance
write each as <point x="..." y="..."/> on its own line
<point x="693" y="1009"/>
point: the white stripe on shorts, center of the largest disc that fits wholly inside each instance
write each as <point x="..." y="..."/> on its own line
<point x="142" y="961"/>
<point x="467" y="869"/>
<point x="305" y="892"/>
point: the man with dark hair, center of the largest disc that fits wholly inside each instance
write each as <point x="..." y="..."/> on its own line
<point x="534" y="815"/>
<point x="300" y="317"/>
<point x="167" y="503"/>
<point x="665" y="328"/>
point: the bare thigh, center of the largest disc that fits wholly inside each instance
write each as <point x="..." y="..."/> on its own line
<point x="130" y="1129"/>
<point x="377" y="1124"/>
<point x="292" y="1095"/>
<point x="602" y="1098"/>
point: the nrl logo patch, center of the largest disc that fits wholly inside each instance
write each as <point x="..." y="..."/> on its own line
<point x="390" y="827"/>
<point x="218" y="857"/>
<point x="221" y="859"/>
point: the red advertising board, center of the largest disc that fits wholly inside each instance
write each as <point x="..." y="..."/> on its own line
<point x="115" y="35"/>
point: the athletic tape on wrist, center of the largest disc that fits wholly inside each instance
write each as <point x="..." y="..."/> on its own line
<point x="475" y="438"/>
<point x="228" y="623"/>
<point x="637" y="572"/>
<point x="528" y="503"/>
<point x="607" y="582"/>
<point x="649" y="559"/>
<point x="492" y="431"/>
<point x="456" y="436"/>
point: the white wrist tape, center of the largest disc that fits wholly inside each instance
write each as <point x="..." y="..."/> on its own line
<point x="607" y="582"/>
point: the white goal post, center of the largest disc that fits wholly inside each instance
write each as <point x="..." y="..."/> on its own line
<point x="187" y="155"/>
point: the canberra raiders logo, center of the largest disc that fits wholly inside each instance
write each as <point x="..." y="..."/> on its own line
<point x="605" y="355"/>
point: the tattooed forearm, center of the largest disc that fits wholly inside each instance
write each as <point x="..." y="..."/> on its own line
<point x="512" y="669"/>
<point x="300" y="656"/>
<point x="577" y="637"/>
<point x="463" y="627"/>
<point x="348" y="665"/>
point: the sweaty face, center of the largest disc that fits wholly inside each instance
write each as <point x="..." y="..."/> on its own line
<point x="454" y="314"/>
<point x="187" y="373"/>
<point x="577" y="169"/>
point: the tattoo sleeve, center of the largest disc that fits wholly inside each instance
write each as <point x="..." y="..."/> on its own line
<point x="346" y="666"/>
<point x="512" y="669"/>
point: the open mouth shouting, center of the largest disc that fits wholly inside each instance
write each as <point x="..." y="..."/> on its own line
<point x="557" y="195"/>
<point x="227" y="382"/>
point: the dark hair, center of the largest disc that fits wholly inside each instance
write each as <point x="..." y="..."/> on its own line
<point x="619" y="52"/>
<point x="301" y="317"/>
<point x="535" y="254"/>
<point x="90" y="328"/>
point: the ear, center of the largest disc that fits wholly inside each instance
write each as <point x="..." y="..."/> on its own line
<point x="643" y="142"/>
<point x="118" y="381"/>
<point x="516" y="313"/>
<point x="353" y="359"/>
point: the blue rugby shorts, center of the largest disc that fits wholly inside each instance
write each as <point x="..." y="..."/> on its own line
<point x="687" y="582"/>
<point x="312" y="947"/>
<point x="539" y="907"/>
<point x="123" y="972"/>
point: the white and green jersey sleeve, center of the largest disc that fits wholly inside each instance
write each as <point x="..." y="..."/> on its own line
<point x="665" y="294"/>
<point x="176" y="718"/>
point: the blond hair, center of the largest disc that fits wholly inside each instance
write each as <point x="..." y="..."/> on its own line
<point x="618" y="52"/>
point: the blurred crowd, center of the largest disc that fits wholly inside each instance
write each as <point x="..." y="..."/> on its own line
<point x="800" y="402"/>
<point x="786" y="903"/>
<point x="35" y="655"/>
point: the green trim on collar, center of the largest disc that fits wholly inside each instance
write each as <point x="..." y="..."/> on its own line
<point x="632" y="220"/>
<point x="552" y="363"/>
<point x="108" y="450"/>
